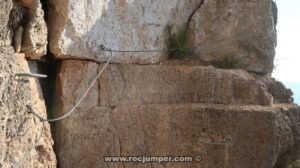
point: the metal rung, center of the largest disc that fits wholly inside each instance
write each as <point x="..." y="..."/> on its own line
<point x="32" y="75"/>
<point x="217" y="143"/>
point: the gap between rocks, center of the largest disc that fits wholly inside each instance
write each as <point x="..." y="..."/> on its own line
<point x="49" y="66"/>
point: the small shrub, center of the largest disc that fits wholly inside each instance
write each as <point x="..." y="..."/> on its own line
<point x="176" y="43"/>
<point x="228" y="62"/>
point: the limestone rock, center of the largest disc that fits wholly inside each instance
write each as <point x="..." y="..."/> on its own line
<point x="18" y="129"/>
<point x="280" y="93"/>
<point x="156" y="110"/>
<point x="252" y="137"/>
<point x="155" y="84"/>
<point x="293" y="153"/>
<point x="244" y="30"/>
<point x="296" y="164"/>
<point x="79" y="27"/>
<point x="35" y="35"/>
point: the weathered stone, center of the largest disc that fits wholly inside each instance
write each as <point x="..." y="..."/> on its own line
<point x="155" y="84"/>
<point x="35" y="33"/>
<point x="148" y="110"/>
<point x="296" y="164"/>
<point x="280" y="93"/>
<point x="253" y="137"/>
<point x="18" y="129"/>
<point x="292" y="153"/>
<point x="246" y="30"/>
<point x="79" y="27"/>
<point x="225" y="116"/>
<point x="78" y="31"/>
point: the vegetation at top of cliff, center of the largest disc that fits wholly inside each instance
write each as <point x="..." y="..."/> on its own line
<point x="228" y="62"/>
<point x="177" y="43"/>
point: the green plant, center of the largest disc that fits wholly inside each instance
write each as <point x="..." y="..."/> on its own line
<point x="228" y="62"/>
<point x="177" y="43"/>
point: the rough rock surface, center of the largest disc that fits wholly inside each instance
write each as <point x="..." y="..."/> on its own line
<point x="155" y="84"/>
<point x="140" y="25"/>
<point x="280" y="93"/>
<point x="228" y="117"/>
<point x="35" y="35"/>
<point x="248" y="25"/>
<point x="149" y="110"/>
<point x="294" y="165"/>
<point x="254" y="137"/>
<point x="78" y="27"/>
<point x="19" y="129"/>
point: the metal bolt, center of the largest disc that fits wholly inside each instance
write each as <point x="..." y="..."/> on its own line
<point x="32" y="75"/>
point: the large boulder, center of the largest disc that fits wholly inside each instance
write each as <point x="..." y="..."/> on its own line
<point x="156" y="84"/>
<point x="224" y="136"/>
<point x="157" y="110"/>
<point x="78" y="28"/>
<point x="280" y="93"/>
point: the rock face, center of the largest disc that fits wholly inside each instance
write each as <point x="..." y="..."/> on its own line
<point x="249" y="26"/>
<point x="230" y="118"/>
<point x="178" y="130"/>
<point x="294" y="165"/>
<point x="78" y="27"/>
<point x="154" y="110"/>
<point x="226" y="116"/>
<point x="19" y="130"/>
<point x="155" y="84"/>
<point x="28" y="28"/>
<point x="35" y="35"/>
<point x="279" y="92"/>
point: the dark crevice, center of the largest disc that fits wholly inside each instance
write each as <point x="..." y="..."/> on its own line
<point x="45" y="7"/>
<point x="49" y="66"/>
<point x="53" y="67"/>
<point x="193" y="13"/>
<point x="48" y="85"/>
<point x="177" y="42"/>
